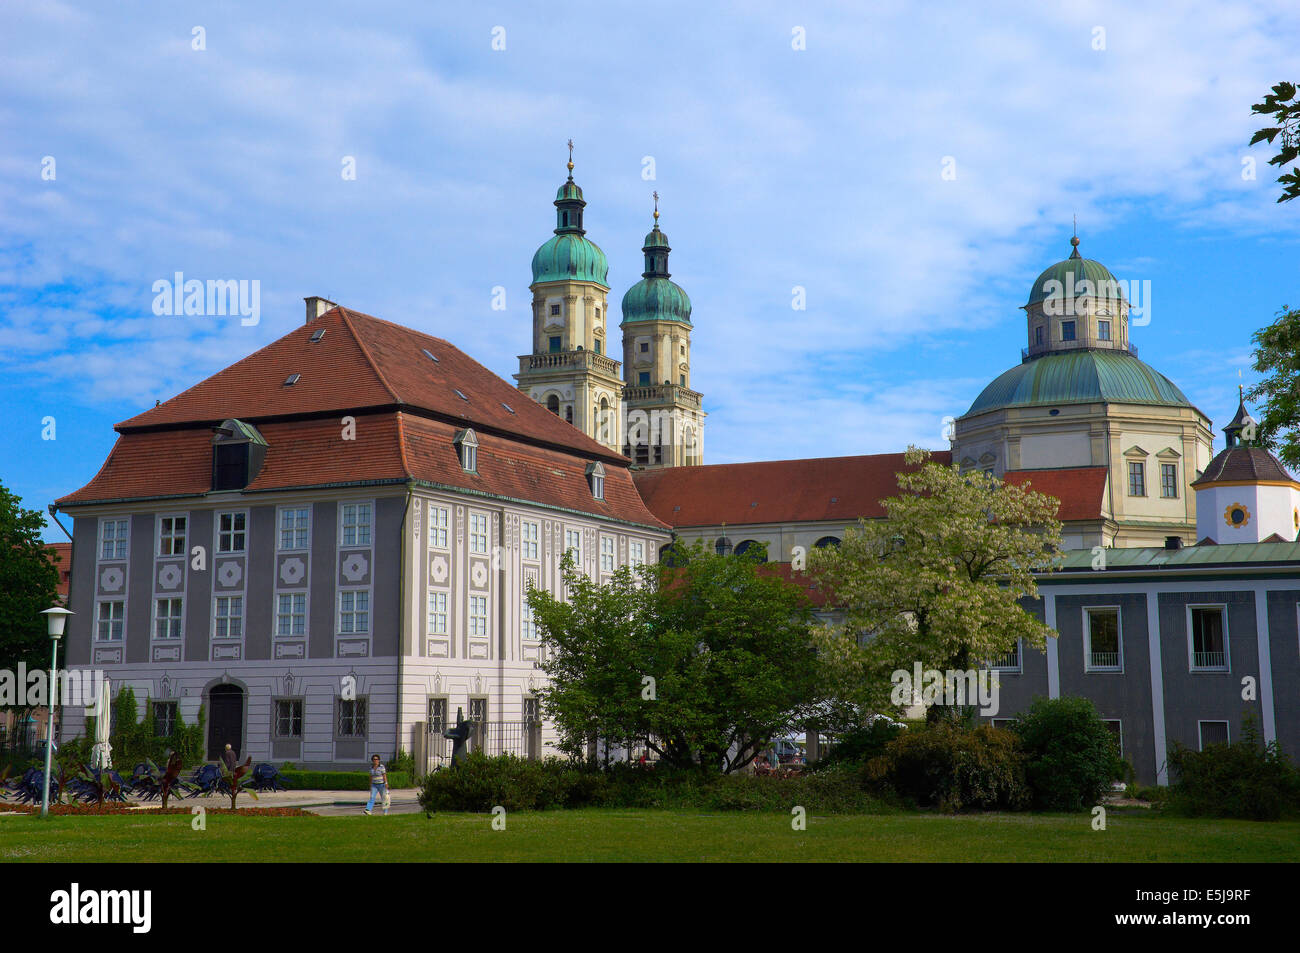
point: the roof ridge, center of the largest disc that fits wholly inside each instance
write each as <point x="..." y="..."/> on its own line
<point x="370" y="359"/>
<point x="755" y="463"/>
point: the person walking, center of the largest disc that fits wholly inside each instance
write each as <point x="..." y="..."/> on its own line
<point x="378" y="784"/>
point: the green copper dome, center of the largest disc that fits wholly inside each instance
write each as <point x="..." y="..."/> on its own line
<point x="1079" y="377"/>
<point x="654" y="297"/>
<point x="1071" y="273"/>
<point x="569" y="255"/>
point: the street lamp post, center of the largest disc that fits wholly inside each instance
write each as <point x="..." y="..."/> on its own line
<point x="55" y="620"/>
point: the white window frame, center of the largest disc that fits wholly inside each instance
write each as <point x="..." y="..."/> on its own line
<point x="529" y="536"/>
<point x="279" y="614"/>
<point x="439" y="524"/>
<point x="230" y="617"/>
<point x="527" y="621"/>
<point x="573" y="544"/>
<point x="438" y="612"/>
<point x="232" y="532"/>
<point x="357" y="525"/>
<point x="1191" y="645"/>
<point x="178" y="619"/>
<point x="173" y="536"/>
<point x="1088" y="665"/>
<point x="122" y="540"/>
<point x="1200" y="730"/>
<point x="295" y="529"/>
<point x="120" y="620"/>
<point x="355" y="597"/>
<point x="608" y="554"/>
<point x="635" y="553"/>
<point x="1142" y="472"/>
<point x="477" y="621"/>
<point x="478" y="539"/>
<point x="276" y="721"/>
<point x="1010" y="669"/>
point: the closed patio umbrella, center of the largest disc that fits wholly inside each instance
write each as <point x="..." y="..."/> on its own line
<point x="101" y="755"/>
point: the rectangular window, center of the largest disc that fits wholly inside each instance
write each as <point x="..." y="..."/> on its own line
<point x="554" y="345"/>
<point x="478" y="615"/>
<point x="555" y="309"/>
<point x="643" y="378"/>
<point x="1102" y="640"/>
<point x="354" y="611"/>
<point x="167" y="618"/>
<point x="478" y="713"/>
<point x="232" y="532"/>
<point x="112" y="539"/>
<point x="356" y="524"/>
<point x="1169" y="480"/>
<point x="437" y="613"/>
<point x="171" y="536"/>
<point x="1137" y="479"/>
<point x="291" y="614"/>
<point x="1067" y="330"/>
<point x="1008" y="662"/>
<point x="437" y="715"/>
<point x="1209" y="639"/>
<point x="112" y="618"/>
<point x="164" y="719"/>
<point x="352" y="718"/>
<point x="288" y="718"/>
<point x="527" y="622"/>
<point x="636" y="553"/>
<point x="573" y="544"/>
<point x="1117" y="731"/>
<point x="645" y="347"/>
<point x="229" y="617"/>
<point x="596" y="343"/>
<point x="438" y="522"/>
<point x="682" y="380"/>
<point x="478" y="533"/>
<point x="528" y="533"/>
<point x="1103" y="330"/>
<point x="1212" y="733"/>
<point x="295" y="522"/>
<point x="532" y="712"/>
<point x="607" y="554"/>
<point x="1038" y="335"/>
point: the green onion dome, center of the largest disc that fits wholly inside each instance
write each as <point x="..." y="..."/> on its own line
<point x="655" y="297"/>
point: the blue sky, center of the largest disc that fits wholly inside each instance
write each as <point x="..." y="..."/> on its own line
<point x="778" y="167"/>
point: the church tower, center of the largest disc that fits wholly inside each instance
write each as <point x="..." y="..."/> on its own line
<point x="665" y="420"/>
<point x="569" y="371"/>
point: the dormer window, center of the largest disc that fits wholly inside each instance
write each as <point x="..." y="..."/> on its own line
<point x="467" y="450"/>
<point x="596" y="480"/>
<point x="238" y="452"/>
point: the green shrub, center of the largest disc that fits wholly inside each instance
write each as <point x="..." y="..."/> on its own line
<point x="339" y="780"/>
<point x="481" y="783"/>
<point x="860" y="745"/>
<point x="1071" y="758"/>
<point x="402" y="762"/>
<point x="136" y="739"/>
<point x="1157" y="794"/>
<point x="1249" y="780"/>
<point x="954" y="768"/>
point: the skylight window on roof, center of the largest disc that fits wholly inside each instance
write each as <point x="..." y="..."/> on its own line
<point x="460" y="395"/>
<point x="317" y="335"/>
<point x="291" y="380"/>
<point x="430" y="355"/>
<point x="507" y="407"/>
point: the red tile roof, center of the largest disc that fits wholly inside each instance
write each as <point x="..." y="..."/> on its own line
<point x="63" y="564"/>
<point x="1081" y="490"/>
<point x="361" y="363"/>
<point x="827" y="488"/>
<point x="371" y="370"/>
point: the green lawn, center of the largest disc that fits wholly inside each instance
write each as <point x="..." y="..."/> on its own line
<point x="629" y="835"/>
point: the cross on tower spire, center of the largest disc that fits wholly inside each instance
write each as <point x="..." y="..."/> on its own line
<point x="570" y="160"/>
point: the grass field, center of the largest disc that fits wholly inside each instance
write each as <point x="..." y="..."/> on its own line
<point x="612" y="835"/>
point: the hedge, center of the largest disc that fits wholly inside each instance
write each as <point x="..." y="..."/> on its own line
<point x="340" y="780"/>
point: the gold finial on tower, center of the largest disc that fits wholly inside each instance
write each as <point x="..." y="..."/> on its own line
<point x="570" y="158"/>
<point x="656" y="197"/>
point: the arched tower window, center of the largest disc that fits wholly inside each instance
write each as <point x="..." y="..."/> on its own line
<point x="553" y="405"/>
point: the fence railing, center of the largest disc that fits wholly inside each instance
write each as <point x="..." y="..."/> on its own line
<point x="520" y="738"/>
<point x="1209" y="660"/>
<point x="1103" y="660"/>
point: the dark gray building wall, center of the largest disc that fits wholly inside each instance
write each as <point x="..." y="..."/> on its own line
<point x="1124" y="695"/>
<point x="198" y="588"/>
<point x="323" y="570"/>
<point x="139" y="606"/>
<point x="1017" y="691"/>
<point x="259" y="606"/>
<point x="1284" y="654"/>
<point x="81" y="590"/>
<point x="387" y="576"/>
<point x="1206" y="696"/>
